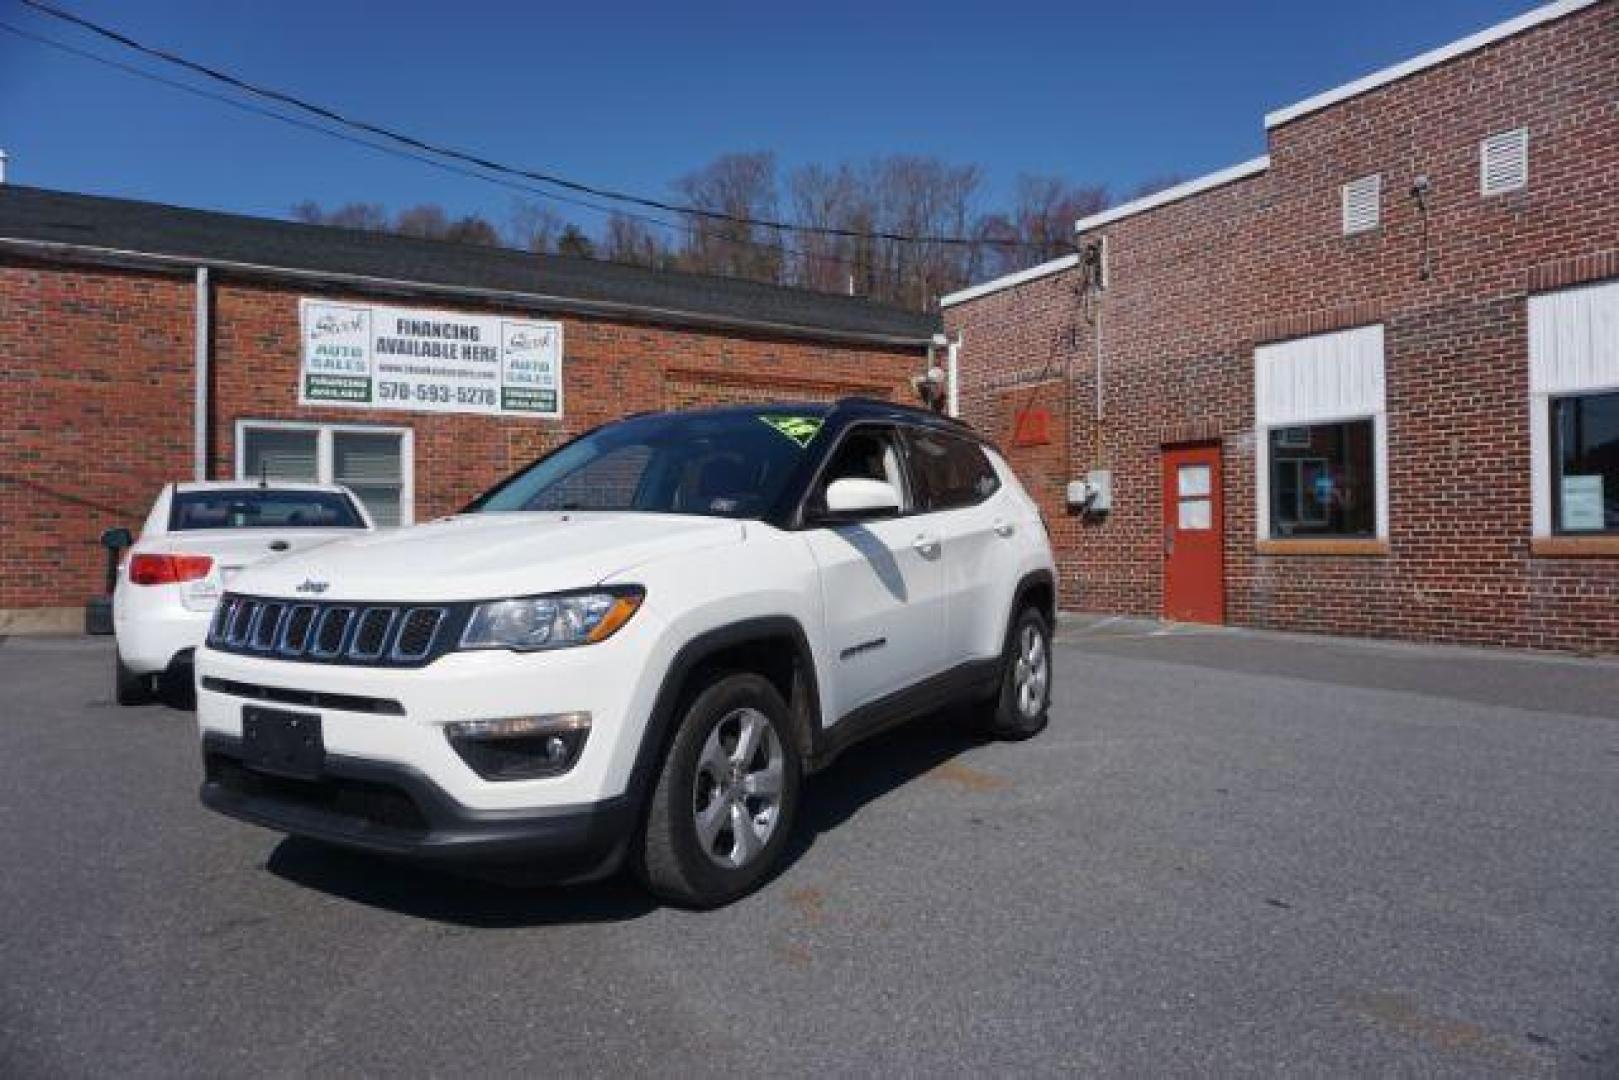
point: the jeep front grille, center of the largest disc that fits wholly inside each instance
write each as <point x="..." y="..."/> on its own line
<point x="336" y="632"/>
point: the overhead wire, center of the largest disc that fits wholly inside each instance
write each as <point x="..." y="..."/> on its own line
<point x="440" y="150"/>
<point x="394" y="151"/>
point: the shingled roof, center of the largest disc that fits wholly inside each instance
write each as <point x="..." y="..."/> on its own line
<point x="68" y="225"/>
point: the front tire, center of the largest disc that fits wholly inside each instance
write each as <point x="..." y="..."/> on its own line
<point x="1022" y="707"/>
<point x="726" y="797"/>
<point x="129" y="687"/>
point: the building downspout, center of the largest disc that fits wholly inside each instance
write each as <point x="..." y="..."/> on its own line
<point x="1101" y="394"/>
<point x="204" y="338"/>
<point x="952" y="374"/>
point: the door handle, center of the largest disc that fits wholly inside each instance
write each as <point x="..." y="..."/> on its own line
<point x="926" y="546"/>
<point x="279" y="545"/>
<point x="1004" y="528"/>
<point x="1169" y="541"/>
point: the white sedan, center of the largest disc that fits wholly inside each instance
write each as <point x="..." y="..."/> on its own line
<point x="197" y="537"/>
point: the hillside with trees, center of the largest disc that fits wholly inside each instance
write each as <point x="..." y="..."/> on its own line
<point x="858" y="211"/>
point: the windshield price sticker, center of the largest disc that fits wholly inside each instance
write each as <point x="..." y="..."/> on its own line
<point x="800" y="429"/>
<point x="377" y="357"/>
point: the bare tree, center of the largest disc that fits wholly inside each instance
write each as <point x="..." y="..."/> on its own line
<point x="534" y="227"/>
<point x="901" y="229"/>
<point x="371" y="217"/>
<point x="902" y="196"/>
<point x="734" y="186"/>
<point x="575" y="244"/>
<point x="1044" y="211"/>
<point x="921" y="197"/>
<point x="999" y="249"/>
<point x="472" y="229"/>
<point x="627" y="240"/>
<point x="823" y="198"/>
<point x="427" y="221"/>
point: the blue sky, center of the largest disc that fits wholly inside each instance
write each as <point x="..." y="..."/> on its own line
<point x="633" y="95"/>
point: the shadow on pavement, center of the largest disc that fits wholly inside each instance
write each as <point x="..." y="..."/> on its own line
<point x="426" y="892"/>
<point x="869" y="770"/>
<point x="862" y="775"/>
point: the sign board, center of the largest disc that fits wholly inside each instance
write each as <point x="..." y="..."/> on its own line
<point x="368" y="356"/>
<point x="1582" y="502"/>
<point x="1032" y="427"/>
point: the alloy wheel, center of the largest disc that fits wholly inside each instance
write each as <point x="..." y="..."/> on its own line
<point x="1032" y="672"/>
<point x="738" y="786"/>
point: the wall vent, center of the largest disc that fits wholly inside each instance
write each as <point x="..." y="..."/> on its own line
<point x="1503" y="162"/>
<point x="1361" y="198"/>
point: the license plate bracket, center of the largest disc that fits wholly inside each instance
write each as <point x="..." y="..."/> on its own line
<point x="283" y="743"/>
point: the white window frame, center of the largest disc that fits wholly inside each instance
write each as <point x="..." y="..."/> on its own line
<point x="325" y="461"/>
<point x="1571" y="354"/>
<point x="1269" y="416"/>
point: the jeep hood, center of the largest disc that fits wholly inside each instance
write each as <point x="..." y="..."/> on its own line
<point x="485" y="556"/>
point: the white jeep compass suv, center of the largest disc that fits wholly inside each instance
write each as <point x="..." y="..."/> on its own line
<point x="634" y="650"/>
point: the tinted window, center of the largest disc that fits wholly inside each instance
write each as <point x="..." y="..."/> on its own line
<point x="1585" y="455"/>
<point x="254" y="508"/>
<point x="1322" y="480"/>
<point x="948" y="470"/>
<point x="728" y="464"/>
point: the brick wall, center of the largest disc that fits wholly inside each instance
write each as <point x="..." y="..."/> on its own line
<point x="97" y="370"/>
<point x="1197" y="284"/>
<point x="95" y="412"/>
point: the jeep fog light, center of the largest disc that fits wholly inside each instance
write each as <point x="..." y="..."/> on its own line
<point x="521" y="748"/>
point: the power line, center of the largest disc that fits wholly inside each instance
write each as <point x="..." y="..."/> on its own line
<point x="333" y="116"/>
<point x="394" y="151"/>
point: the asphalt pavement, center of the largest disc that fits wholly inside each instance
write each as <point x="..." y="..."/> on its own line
<point x="1231" y="853"/>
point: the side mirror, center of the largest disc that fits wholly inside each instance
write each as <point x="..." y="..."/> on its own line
<point x="117" y="539"/>
<point x="852" y="499"/>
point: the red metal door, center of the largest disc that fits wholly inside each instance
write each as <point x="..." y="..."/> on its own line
<point x="1194" y="548"/>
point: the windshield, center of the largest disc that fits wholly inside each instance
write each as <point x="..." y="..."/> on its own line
<point x="260" y="508"/>
<point x="718" y="464"/>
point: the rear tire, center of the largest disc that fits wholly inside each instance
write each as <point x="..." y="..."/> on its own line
<point x="130" y="688"/>
<point x="1022" y="707"/>
<point x="723" y="807"/>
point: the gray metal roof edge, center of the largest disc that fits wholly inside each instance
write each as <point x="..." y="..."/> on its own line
<point x="640" y="313"/>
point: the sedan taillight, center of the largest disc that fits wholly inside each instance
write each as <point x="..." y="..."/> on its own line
<point x="168" y="569"/>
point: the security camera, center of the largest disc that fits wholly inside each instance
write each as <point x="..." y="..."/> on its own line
<point x="929" y="386"/>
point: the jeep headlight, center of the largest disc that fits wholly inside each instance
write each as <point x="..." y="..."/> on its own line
<point x="557" y="621"/>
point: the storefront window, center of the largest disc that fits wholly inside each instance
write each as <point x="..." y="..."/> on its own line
<point x="369" y="464"/>
<point x="1585" y="460"/>
<point x="1323" y="480"/>
<point x="374" y="463"/>
<point x="280" y="454"/>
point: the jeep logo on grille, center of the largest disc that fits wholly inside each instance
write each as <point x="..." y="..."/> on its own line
<point x="310" y="585"/>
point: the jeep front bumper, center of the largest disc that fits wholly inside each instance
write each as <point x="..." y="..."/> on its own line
<point x="393" y="809"/>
